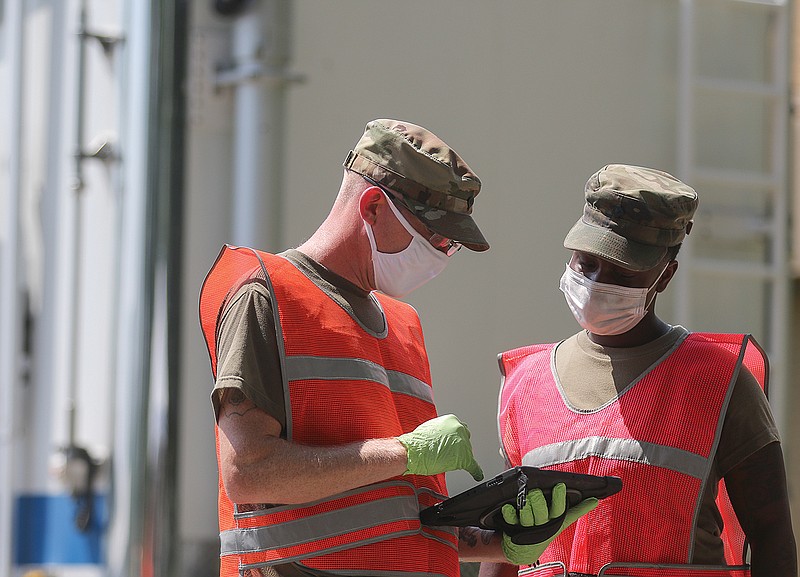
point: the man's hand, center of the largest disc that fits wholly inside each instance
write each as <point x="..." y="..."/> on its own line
<point x="440" y="445"/>
<point x="535" y="512"/>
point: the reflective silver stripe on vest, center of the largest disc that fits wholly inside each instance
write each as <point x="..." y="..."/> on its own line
<point x="370" y="573"/>
<point x="357" y="572"/>
<point x="325" y="551"/>
<point x="327" y="368"/>
<point x="320" y="526"/>
<point x="451" y="530"/>
<point x="721" y="570"/>
<point x="622" y="449"/>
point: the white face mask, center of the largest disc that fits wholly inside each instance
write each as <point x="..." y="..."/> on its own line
<point x="399" y="273"/>
<point x="604" y="309"/>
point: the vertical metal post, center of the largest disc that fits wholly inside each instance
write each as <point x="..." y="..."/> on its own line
<point x="166" y="170"/>
<point x="780" y="310"/>
<point x="685" y="137"/>
<point x="142" y="539"/>
<point x="261" y="51"/>
<point x="10" y="297"/>
<point x="76" y="269"/>
<point x="125" y="536"/>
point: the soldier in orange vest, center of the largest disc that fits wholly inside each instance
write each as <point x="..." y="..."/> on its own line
<point x="328" y="440"/>
<point x="681" y="417"/>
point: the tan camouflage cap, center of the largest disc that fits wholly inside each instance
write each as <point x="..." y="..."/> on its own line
<point x="425" y="174"/>
<point x="633" y="215"/>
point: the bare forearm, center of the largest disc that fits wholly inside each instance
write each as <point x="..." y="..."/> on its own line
<point x="258" y="466"/>
<point x="476" y="544"/>
<point x="290" y="473"/>
<point x="498" y="570"/>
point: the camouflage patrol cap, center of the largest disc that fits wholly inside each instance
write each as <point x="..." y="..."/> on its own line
<point x="633" y="215"/>
<point x="424" y="173"/>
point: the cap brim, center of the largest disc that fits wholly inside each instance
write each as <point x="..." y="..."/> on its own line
<point x="605" y="243"/>
<point x="458" y="227"/>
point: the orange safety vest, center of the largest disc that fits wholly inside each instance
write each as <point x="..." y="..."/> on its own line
<point x="341" y="385"/>
<point x="659" y="435"/>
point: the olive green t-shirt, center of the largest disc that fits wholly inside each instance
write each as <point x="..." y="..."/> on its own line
<point x="590" y="375"/>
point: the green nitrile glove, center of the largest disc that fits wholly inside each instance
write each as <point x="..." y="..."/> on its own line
<point x="535" y="512"/>
<point x="440" y="445"/>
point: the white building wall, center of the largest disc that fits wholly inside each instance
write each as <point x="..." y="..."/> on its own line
<point x="72" y="334"/>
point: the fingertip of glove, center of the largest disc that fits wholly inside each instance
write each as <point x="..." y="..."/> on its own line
<point x="588" y="504"/>
<point x="536" y="497"/>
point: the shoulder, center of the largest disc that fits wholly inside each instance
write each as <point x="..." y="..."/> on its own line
<point x="252" y="293"/>
<point x="725" y="343"/>
<point x="749" y="397"/>
<point x="514" y="357"/>
<point x="528" y="350"/>
<point x="748" y="425"/>
<point x="249" y="309"/>
<point x="393" y="305"/>
<point x="724" y="349"/>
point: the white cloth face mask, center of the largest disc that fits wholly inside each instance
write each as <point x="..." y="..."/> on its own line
<point x="399" y="273"/>
<point x="604" y="309"/>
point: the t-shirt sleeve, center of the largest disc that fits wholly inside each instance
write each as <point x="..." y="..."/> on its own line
<point x="748" y="425"/>
<point x="247" y="351"/>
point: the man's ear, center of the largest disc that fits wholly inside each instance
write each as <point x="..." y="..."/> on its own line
<point x="368" y="204"/>
<point x="665" y="279"/>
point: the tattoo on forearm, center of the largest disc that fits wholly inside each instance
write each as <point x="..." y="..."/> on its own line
<point x="471" y="535"/>
<point x="236" y="403"/>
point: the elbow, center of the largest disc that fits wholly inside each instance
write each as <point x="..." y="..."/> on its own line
<point x="247" y="484"/>
<point x="236" y="484"/>
<point x="244" y="481"/>
<point x="246" y="474"/>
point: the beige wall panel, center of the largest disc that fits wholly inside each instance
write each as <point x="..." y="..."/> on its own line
<point x="535" y="96"/>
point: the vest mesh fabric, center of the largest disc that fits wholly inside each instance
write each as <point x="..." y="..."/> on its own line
<point x="675" y="571"/>
<point x="331" y="410"/>
<point x="732" y="535"/>
<point x="651" y="412"/>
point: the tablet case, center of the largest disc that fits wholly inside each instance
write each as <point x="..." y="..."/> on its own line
<point x="480" y="506"/>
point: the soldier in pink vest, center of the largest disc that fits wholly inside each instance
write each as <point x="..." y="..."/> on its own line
<point x="681" y="417"/>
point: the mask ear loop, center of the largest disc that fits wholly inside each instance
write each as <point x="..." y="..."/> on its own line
<point x="403" y="220"/>
<point x="411" y="230"/>
<point x="655" y="282"/>
<point x="399" y="216"/>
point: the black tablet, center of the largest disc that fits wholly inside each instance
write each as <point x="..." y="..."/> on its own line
<point x="480" y="506"/>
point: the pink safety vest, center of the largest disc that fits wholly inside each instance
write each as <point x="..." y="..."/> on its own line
<point x="660" y="436"/>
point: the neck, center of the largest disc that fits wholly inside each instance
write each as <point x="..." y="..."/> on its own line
<point x="341" y="250"/>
